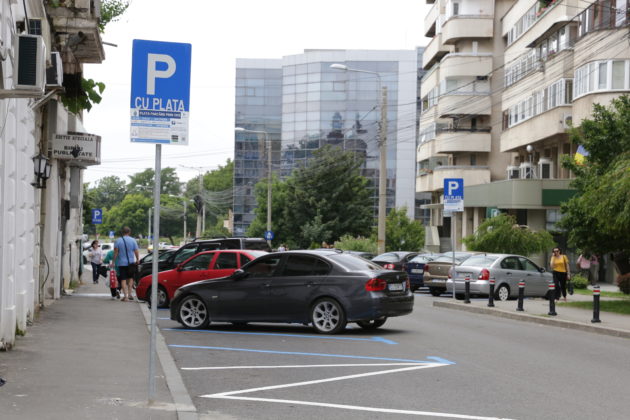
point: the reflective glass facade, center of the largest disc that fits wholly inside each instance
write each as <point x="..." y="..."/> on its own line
<point x="321" y="105"/>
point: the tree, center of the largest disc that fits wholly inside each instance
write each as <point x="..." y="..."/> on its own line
<point x="319" y="202"/>
<point x="502" y="235"/>
<point x="143" y="182"/>
<point x="109" y="191"/>
<point x="402" y="233"/>
<point x="350" y="243"/>
<point x="597" y="218"/>
<point x="132" y="211"/>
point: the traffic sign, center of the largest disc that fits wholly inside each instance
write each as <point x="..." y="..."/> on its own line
<point x="160" y="92"/>
<point x="453" y="194"/>
<point x="111" y="234"/>
<point x="97" y="216"/>
<point x="269" y="235"/>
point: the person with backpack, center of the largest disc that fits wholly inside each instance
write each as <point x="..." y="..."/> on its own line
<point x="126" y="255"/>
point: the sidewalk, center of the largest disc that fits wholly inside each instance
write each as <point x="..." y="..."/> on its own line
<point x="87" y="357"/>
<point x="536" y="310"/>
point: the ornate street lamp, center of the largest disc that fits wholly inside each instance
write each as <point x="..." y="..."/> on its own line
<point x="42" y="167"/>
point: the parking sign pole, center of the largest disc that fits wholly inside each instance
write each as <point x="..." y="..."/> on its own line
<point x="154" y="270"/>
<point x="453" y="249"/>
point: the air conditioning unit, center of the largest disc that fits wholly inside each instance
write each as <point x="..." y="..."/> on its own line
<point x="513" y="172"/>
<point x="29" y="65"/>
<point x="545" y="168"/>
<point x="567" y="120"/>
<point x="54" y="73"/>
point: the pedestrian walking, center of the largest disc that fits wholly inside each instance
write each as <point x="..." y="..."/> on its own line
<point x="559" y="264"/>
<point x="584" y="265"/>
<point x="95" y="255"/>
<point x="126" y="256"/>
<point x="282" y="248"/>
<point x="594" y="270"/>
<point x="111" y="261"/>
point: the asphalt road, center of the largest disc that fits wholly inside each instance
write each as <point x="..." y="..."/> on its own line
<point x="434" y="363"/>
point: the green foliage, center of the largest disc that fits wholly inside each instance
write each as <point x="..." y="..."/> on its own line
<point x="403" y="233"/>
<point x="83" y="98"/>
<point x="579" y="282"/>
<point x="132" y="211"/>
<point x="217" y="229"/>
<point x="598" y="216"/>
<point x="108" y="191"/>
<point x="111" y="10"/>
<point x="143" y="182"/>
<point x="500" y="234"/>
<point x="359" y="243"/>
<point x="319" y="202"/>
<point x="217" y="194"/>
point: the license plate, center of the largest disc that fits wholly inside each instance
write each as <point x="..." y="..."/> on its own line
<point x="416" y="270"/>
<point x="396" y="286"/>
<point x="438" y="281"/>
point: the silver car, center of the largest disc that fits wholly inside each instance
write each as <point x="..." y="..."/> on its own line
<point x="506" y="269"/>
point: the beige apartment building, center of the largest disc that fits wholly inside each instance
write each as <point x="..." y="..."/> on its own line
<point x="504" y="82"/>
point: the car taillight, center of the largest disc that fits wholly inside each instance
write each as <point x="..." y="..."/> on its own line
<point x="375" y="285"/>
<point x="388" y="266"/>
<point x="425" y="268"/>
<point x="484" y="275"/>
<point x="450" y="273"/>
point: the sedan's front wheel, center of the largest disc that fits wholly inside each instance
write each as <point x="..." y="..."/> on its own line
<point x="328" y="316"/>
<point x="193" y="312"/>
<point x="372" y="324"/>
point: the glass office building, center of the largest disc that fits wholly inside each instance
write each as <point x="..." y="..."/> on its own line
<point x="319" y="105"/>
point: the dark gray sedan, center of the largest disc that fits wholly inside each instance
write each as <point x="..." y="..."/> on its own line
<point x="327" y="289"/>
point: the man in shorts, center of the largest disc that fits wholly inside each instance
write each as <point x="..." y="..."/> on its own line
<point x="126" y="255"/>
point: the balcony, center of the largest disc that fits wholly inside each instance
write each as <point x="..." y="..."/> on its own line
<point x="425" y="150"/>
<point x="431" y="79"/>
<point x="464" y="103"/>
<point x="548" y="124"/>
<point x="76" y="24"/>
<point x="465" y="65"/>
<point x="463" y="140"/>
<point x="434" y="52"/>
<point x="434" y="180"/>
<point x="430" y="20"/>
<point x="467" y="26"/>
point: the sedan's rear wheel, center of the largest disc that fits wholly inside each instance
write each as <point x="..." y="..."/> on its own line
<point x="328" y="316"/>
<point x="372" y="324"/>
<point x="435" y="291"/>
<point x="193" y="312"/>
<point x="503" y="293"/>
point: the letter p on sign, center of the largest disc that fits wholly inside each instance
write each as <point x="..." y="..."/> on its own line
<point x="452" y="185"/>
<point x="153" y="73"/>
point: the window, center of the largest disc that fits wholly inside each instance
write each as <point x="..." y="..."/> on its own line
<point x="200" y="262"/>
<point x="185" y="253"/>
<point x="226" y="260"/>
<point x="510" y="263"/>
<point x="264" y="267"/>
<point x="528" y="265"/>
<point x="602" y="76"/>
<point x="618" y="70"/>
<point x="455" y="9"/>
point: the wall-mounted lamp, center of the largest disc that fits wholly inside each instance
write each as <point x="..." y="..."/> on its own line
<point x="42" y="169"/>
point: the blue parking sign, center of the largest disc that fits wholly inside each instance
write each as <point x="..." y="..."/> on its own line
<point x="160" y="92"/>
<point x="97" y="216"/>
<point x="453" y="194"/>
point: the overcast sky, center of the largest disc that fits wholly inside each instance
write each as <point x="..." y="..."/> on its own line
<point x="220" y="32"/>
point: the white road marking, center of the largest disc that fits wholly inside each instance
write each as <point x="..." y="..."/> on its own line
<point x="359" y="408"/>
<point x="298" y="366"/>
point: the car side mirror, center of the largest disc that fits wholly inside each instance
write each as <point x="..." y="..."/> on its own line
<point x="542" y="270"/>
<point x="239" y="274"/>
<point x="179" y="267"/>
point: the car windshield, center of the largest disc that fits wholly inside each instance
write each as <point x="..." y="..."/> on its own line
<point x="421" y="259"/>
<point x="353" y="263"/>
<point x="388" y="257"/>
<point x="257" y="254"/>
<point x="480" y="261"/>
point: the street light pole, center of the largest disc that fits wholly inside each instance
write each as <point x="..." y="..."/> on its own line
<point x="268" y="148"/>
<point x="382" y="146"/>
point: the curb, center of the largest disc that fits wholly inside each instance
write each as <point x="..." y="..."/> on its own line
<point x="533" y="318"/>
<point x="184" y="406"/>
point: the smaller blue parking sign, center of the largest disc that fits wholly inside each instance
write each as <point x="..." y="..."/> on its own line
<point x="97" y="216"/>
<point x="269" y="235"/>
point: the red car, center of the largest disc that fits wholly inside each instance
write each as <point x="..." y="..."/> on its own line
<point x="202" y="266"/>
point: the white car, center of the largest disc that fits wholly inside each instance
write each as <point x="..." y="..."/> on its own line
<point x="105" y="246"/>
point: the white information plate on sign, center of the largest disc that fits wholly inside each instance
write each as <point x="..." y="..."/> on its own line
<point x="160" y="92"/>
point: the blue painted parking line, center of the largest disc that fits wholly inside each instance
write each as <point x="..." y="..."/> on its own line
<point x="164" y="318"/>
<point x="325" y="337"/>
<point x="295" y="353"/>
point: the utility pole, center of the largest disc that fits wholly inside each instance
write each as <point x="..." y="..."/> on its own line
<point x="201" y="210"/>
<point x="382" y="173"/>
<point x="149" y="234"/>
<point x="268" y="144"/>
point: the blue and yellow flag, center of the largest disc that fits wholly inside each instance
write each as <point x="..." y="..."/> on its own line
<point x="580" y="155"/>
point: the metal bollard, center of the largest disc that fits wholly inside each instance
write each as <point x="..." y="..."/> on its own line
<point x="552" y="300"/>
<point x="521" y="295"/>
<point x="467" y="289"/>
<point x="491" y="293"/>
<point x="595" y="304"/>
